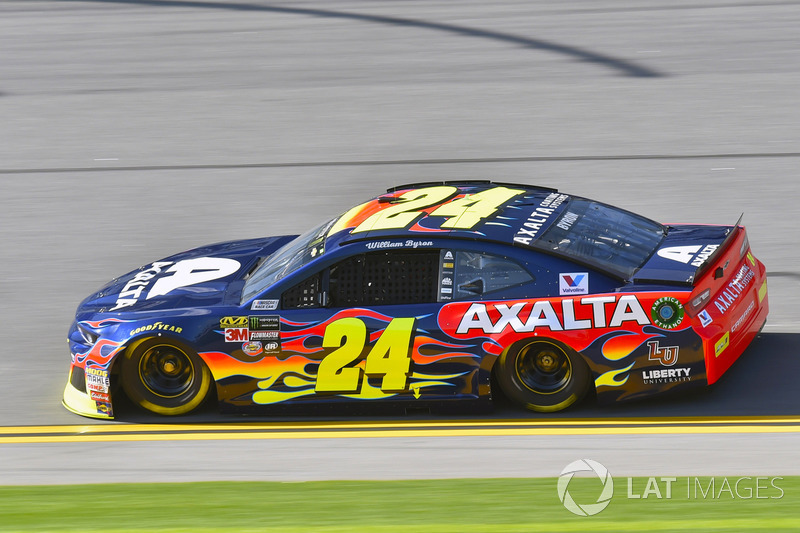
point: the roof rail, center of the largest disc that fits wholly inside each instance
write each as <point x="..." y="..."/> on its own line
<point x="466" y="182"/>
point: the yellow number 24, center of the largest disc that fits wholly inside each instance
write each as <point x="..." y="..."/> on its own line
<point x="390" y="357"/>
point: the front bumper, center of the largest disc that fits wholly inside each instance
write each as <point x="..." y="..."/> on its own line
<point x="82" y="403"/>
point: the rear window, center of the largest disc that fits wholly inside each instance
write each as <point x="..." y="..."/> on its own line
<point x="609" y="238"/>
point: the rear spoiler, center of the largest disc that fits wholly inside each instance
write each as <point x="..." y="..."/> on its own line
<point x="711" y="259"/>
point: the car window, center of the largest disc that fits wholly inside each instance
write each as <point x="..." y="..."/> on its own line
<point x="385" y="278"/>
<point x="604" y="236"/>
<point x="478" y="273"/>
<point x="305" y="294"/>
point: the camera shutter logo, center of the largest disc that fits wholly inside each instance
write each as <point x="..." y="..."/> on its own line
<point x="585" y="465"/>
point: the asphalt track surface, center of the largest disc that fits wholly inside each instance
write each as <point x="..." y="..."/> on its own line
<point x="132" y="129"/>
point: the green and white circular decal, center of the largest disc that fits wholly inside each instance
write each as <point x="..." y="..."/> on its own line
<point x="667" y="312"/>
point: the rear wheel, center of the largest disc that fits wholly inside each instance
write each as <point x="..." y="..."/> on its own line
<point x="543" y="375"/>
<point x="165" y="377"/>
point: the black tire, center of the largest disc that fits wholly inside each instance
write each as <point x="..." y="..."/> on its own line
<point x="542" y="375"/>
<point x="165" y="377"/>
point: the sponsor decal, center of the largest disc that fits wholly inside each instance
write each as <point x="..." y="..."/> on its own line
<point x="744" y="316"/>
<point x="272" y="347"/>
<point x="530" y="228"/>
<point x="264" y="305"/>
<point x="97" y="380"/>
<point x="567" y="220"/>
<point x="184" y="273"/>
<point x="705" y="318"/>
<point x="696" y="255"/>
<point x="721" y="344"/>
<point x="252" y="348"/>
<point x="104" y="408"/>
<point x="265" y="335"/>
<point x="265" y="328"/>
<point x="157" y="326"/>
<point x="236" y="334"/>
<point x="99" y="396"/>
<point x="573" y="283"/>
<point x="667" y="312"/>
<point x="525" y="317"/>
<point x="667" y="375"/>
<point x="233" y="322"/>
<point x="666" y="355"/>
<point x="734" y="288"/>
<point x="446" y="273"/>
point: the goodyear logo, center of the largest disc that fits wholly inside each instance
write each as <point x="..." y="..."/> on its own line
<point x="721" y="344"/>
<point x="233" y="322"/>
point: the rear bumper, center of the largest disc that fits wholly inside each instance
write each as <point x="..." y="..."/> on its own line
<point x="736" y="327"/>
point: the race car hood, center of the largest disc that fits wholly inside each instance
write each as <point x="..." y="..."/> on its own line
<point x="202" y="277"/>
<point x="682" y="254"/>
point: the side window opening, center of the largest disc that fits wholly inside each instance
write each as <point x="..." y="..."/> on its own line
<point x="385" y="278"/>
<point x="304" y="295"/>
<point x="479" y="273"/>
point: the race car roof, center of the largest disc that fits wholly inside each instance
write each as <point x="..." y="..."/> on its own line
<point x="481" y="210"/>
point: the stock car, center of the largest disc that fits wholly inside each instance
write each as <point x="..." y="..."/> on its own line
<point x="433" y="294"/>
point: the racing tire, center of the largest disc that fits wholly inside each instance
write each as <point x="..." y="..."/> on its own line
<point x="542" y="375"/>
<point x="165" y="377"/>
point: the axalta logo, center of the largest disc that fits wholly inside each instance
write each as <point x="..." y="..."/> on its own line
<point x="525" y="317"/>
<point x="697" y="255"/>
<point x="734" y="289"/>
<point x="573" y="283"/>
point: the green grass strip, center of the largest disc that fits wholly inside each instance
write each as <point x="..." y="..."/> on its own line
<point x="457" y="505"/>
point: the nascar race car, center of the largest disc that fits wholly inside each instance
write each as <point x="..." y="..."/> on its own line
<point x="429" y="294"/>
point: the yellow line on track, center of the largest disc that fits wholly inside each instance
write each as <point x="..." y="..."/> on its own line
<point x="115" y="432"/>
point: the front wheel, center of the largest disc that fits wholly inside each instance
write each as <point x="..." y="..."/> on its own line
<point x="165" y="377"/>
<point x="542" y="375"/>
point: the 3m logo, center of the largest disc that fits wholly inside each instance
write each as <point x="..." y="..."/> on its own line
<point x="667" y="356"/>
<point x="573" y="283"/>
<point x="233" y="322"/>
<point x="237" y="335"/>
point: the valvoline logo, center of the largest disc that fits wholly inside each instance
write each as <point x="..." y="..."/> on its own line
<point x="573" y="283"/>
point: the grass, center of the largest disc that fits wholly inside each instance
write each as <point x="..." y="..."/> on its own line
<point x="461" y="505"/>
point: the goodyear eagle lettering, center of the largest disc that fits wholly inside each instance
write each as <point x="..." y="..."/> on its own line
<point x="542" y="314"/>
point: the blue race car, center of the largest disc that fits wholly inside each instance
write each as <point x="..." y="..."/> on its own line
<point x="417" y="298"/>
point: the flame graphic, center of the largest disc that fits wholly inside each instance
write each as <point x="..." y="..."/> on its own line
<point x="223" y="365"/>
<point x="624" y="343"/>
<point x="105" y="322"/>
<point x="421" y="341"/>
<point x="608" y="379"/>
<point x="100" y="354"/>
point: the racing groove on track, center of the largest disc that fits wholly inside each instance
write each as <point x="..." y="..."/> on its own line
<point x="532" y="159"/>
<point x="136" y="129"/>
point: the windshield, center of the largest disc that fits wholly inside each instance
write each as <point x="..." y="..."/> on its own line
<point x="597" y="234"/>
<point x="287" y="259"/>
